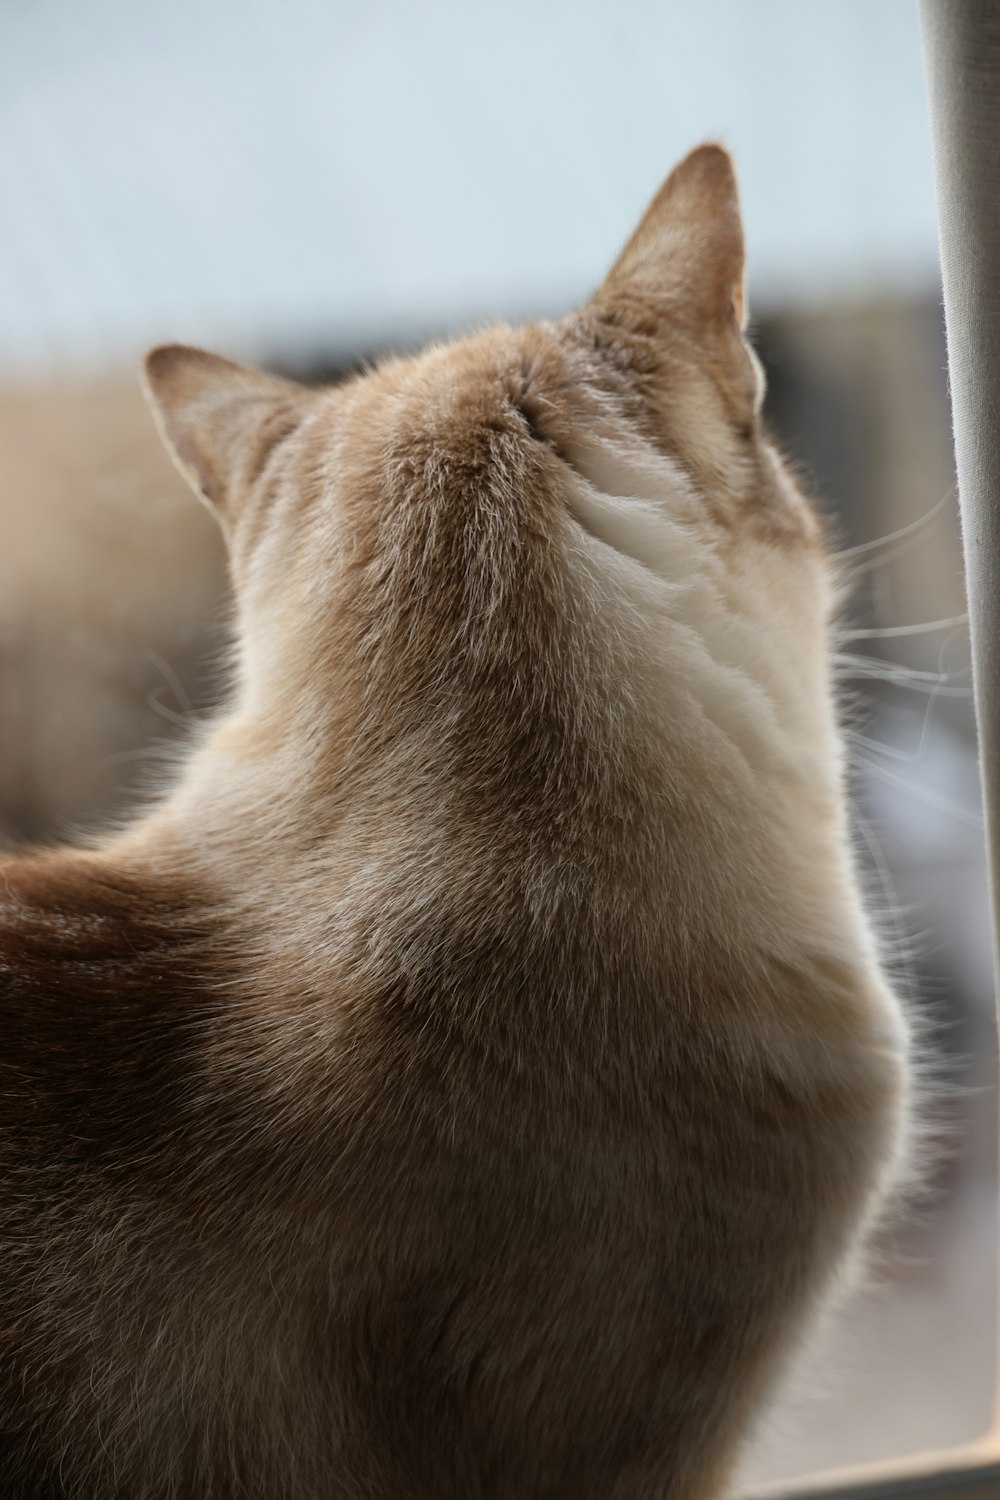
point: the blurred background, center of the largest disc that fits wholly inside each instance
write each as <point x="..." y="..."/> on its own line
<point x="309" y="184"/>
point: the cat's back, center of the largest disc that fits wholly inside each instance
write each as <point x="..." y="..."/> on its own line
<point x="477" y="1209"/>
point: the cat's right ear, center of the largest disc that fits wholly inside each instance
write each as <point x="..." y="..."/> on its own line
<point x="219" y="420"/>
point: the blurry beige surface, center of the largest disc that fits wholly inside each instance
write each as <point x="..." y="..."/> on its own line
<point x="112" y="601"/>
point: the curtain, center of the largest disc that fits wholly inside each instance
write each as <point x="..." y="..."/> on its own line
<point x="962" y="61"/>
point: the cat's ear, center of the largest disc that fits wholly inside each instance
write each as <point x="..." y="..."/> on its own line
<point x="684" y="265"/>
<point x="219" y="420"/>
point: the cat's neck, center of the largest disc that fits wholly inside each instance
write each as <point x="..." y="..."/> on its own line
<point x="262" y="820"/>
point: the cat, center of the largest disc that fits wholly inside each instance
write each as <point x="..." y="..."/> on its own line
<point x="470" y="1079"/>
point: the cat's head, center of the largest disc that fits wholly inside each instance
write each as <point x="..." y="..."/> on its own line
<point x="528" y="506"/>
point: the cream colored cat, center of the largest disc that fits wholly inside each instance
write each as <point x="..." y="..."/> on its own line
<point x="471" y="1078"/>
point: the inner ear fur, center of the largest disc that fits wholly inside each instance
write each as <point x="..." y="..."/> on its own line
<point x="219" y="420"/>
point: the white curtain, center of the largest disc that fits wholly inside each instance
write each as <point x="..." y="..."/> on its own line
<point x="962" y="60"/>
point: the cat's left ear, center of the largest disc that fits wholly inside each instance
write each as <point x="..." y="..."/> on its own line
<point x="679" y="282"/>
<point x="220" y="420"/>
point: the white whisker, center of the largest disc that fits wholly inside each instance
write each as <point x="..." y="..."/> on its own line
<point x="913" y="756"/>
<point x="172" y="680"/>
<point x="884" y="632"/>
<point x="181" y="721"/>
<point x="894" y="674"/>
<point x="909" y="757"/>
<point x="921" y="792"/>
<point x="903" y="531"/>
<point x="167" y="751"/>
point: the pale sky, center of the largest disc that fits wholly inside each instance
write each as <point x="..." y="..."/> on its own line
<point x="309" y="175"/>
